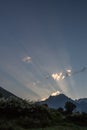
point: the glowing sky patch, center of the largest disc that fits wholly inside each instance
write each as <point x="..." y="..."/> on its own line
<point x="61" y="76"/>
<point x="55" y="93"/>
<point x="57" y="76"/>
<point x="43" y="99"/>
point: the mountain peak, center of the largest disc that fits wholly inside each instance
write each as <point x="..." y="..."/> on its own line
<point x="61" y="95"/>
<point x="56" y="101"/>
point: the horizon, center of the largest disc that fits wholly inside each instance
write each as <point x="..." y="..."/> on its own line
<point x="43" y="48"/>
<point x="54" y="94"/>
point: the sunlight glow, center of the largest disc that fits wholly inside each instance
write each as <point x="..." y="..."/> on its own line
<point x="55" y="93"/>
<point x="61" y="76"/>
<point x="56" y="76"/>
<point x="43" y="99"/>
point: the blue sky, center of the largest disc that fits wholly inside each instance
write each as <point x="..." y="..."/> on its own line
<point x="40" y="38"/>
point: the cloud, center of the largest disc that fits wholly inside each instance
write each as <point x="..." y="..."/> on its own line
<point x="27" y="59"/>
<point x="55" y="93"/>
<point x="57" y="76"/>
<point x="61" y="76"/>
<point x="43" y="99"/>
<point x="52" y="94"/>
<point x="68" y="73"/>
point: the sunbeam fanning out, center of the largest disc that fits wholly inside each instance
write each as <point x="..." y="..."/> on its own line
<point x="43" y="48"/>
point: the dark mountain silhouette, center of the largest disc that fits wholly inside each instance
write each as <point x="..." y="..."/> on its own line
<point x="60" y="100"/>
<point x="57" y="101"/>
<point x="6" y="94"/>
<point x="82" y="100"/>
<point x="53" y="101"/>
<point x="82" y="104"/>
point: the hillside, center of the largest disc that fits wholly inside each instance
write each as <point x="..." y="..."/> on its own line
<point x="6" y="94"/>
<point x="16" y="113"/>
<point x="53" y="101"/>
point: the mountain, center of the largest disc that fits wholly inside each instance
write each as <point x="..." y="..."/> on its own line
<point x="82" y="104"/>
<point x="57" y="101"/>
<point x="82" y="100"/>
<point x="60" y="100"/>
<point x="6" y="94"/>
<point x="53" y="101"/>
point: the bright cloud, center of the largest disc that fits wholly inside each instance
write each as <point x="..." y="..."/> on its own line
<point x="43" y="99"/>
<point x="57" y="76"/>
<point x="27" y="59"/>
<point x="68" y="72"/>
<point x="55" y="93"/>
<point x="52" y="94"/>
<point x="61" y="76"/>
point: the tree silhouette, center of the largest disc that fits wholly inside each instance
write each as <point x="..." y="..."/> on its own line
<point x="69" y="106"/>
<point x="60" y="109"/>
<point x="1" y="95"/>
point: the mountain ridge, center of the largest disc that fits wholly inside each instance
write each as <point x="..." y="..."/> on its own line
<point x="6" y="94"/>
<point x="53" y="101"/>
<point x="60" y="100"/>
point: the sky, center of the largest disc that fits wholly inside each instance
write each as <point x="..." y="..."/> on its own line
<point x="39" y="41"/>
